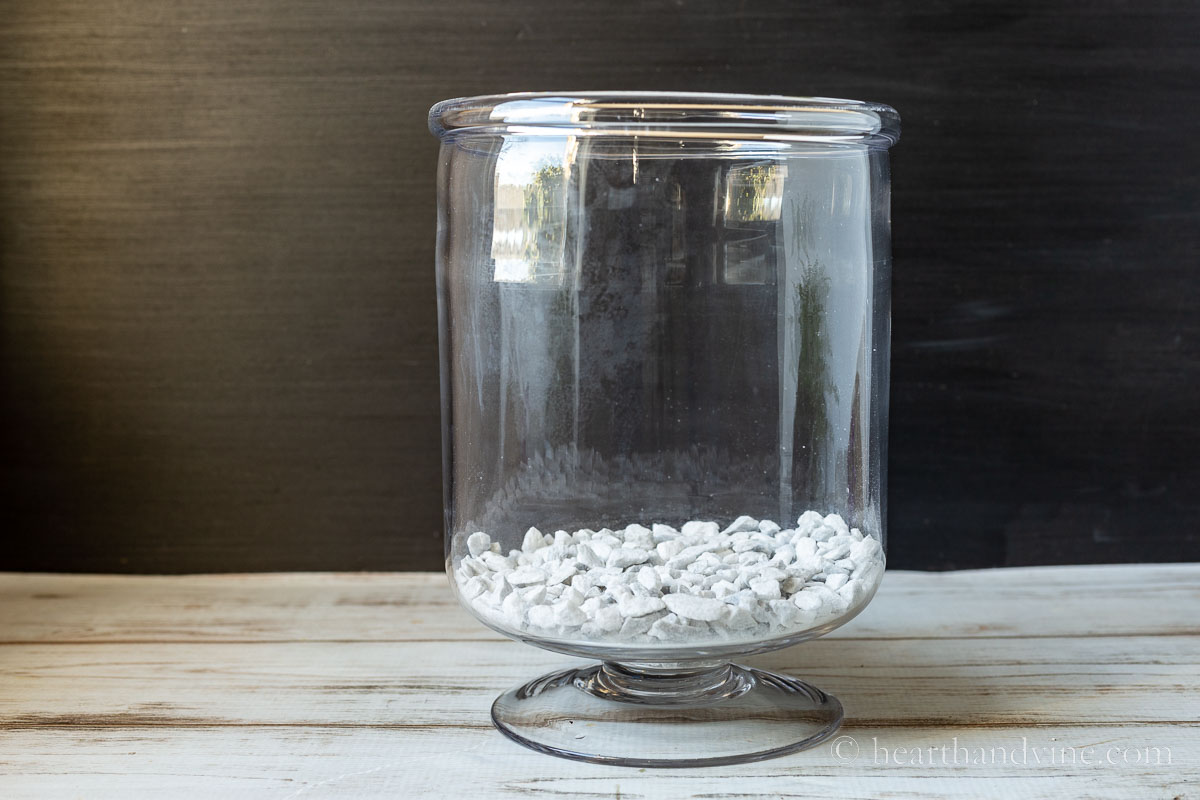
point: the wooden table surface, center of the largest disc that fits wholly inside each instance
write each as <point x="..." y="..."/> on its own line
<point x="378" y="686"/>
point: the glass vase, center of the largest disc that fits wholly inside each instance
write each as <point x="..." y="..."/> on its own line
<point x="664" y="332"/>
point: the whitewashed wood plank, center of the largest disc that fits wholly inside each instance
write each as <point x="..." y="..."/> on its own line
<point x="303" y="763"/>
<point x="266" y="607"/>
<point x="336" y="702"/>
<point x="898" y="682"/>
<point x="1039" y="601"/>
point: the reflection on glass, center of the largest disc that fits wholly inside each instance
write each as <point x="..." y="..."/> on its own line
<point x="754" y="193"/>
<point x="816" y="389"/>
<point x="530" y="210"/>
<point x="752" y="205"/>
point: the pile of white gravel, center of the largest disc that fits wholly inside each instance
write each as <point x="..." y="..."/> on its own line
<point x="660" y="585"/>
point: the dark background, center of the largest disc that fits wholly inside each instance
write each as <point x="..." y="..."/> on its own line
<point x="217" y="319"/>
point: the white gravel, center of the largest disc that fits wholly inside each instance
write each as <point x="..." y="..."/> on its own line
<point x="661" y="585"/>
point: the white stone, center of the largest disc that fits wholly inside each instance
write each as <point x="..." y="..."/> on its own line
<point x="804" y="618"/>
<point x="634" y="626"/>
<point x="526" y="575"/>
<point x="639" y="536"/>
<point x="838" y="524"/>
<point x="639" y="606"/>
<point x="620" y="592"/>
<point x="514" y="607"/>
<point x="792" y="584"/>
<point x="700" y="530"/>
<point x="569" y="615"/>
<point x="851" y="591"/>
<point x="662" y="533"/>
<point x="626" y="557"/>
<point x="765" y="588"/>
<point x="808" y="522"/>
<point x="473" y="587"/>
<point x="541" y="616"/>
<point x="866" y="549"/>
<point x="807" y="601"/>
<point x="747" y="544"/>
<point x="689" y="554"/>
<point x="809" y="563"/>
<point x="869" y="575"/>
<point x="742" y="523"/>
<point x="723" y="588"/>
<point x="533" y="540"/>
<point x="687" y="606"/>
<point x="669" y="549"/>
<point x="823" y="533"/>
<point x="562" y="572"/>
<point x="753" y="557"/>
<point x="621" y="578"/>
<point x="608" y="618"/>
<point x="649" y="578"/>
<point x="784" y="613"/>
<point x="836" y="552"/>
<point x="739" y="618"/>
<point x="833" y="602"/>
<point x="496" y="562"/>
<point x="589" y="556"/>
<point x="478" y="543"/>
<point x="601" y="548"/>
<point x="784" y="555"/>
<point x="668" y="628"/>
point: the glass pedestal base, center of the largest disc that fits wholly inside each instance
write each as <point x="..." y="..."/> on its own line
<point x="667" y="715"/>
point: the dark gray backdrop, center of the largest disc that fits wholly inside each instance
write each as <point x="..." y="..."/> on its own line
<point x="217" y="325"/>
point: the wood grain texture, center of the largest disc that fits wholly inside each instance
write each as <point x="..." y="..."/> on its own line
<point x="381" y="607"/>
<point x="924" y="683"/>
<point x="283" y="763"/>
<point x="217" y="327"/>
<point x="102" y="699"/>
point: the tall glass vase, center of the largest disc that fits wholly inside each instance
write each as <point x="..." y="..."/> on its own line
<point x="664" y="329"/>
